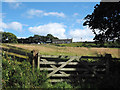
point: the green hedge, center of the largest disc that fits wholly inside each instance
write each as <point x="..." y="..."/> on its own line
<point x="20" y="75"/>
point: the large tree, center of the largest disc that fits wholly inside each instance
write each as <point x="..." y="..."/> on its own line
<point x="50" y="36"/>
<point x="8" y="37"/>
<point x="105" y="21"/>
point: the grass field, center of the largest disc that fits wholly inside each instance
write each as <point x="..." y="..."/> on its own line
<point x="89" y="44"/>
<point x="46" y="49"/>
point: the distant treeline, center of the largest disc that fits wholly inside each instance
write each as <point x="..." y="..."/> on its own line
<point x="37" y="39"/>
<point x="7" y="37"/>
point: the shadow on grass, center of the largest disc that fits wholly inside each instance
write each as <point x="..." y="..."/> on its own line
<point x="93" y="75"/>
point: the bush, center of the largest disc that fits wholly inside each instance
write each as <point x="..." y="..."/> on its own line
<point x="62" y="85"/>
<point x="20" y="75"/>
<point x="111" y="81"/>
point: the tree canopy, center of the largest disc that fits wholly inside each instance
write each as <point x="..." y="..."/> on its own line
<point x="105" y="21"/>
<point x="37" y="39"/>
<point x="50" y="36"/>
<point x="8" y="37"/>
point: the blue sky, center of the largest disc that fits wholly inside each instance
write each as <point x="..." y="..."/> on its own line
<point x="61" y="19"/>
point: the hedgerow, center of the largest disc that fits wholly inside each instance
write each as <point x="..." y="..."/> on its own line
<point x="21" y="75"/>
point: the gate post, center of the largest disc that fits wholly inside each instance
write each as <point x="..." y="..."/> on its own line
<point x="38" y="61"/>
<point x="108" y="59"/>
<point x="34" y="58"/>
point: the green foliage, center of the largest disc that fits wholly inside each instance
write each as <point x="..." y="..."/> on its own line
<point x="105" y="22"/>
<point x="20" y="75"/>
<point x="8" y="37"/>
<point x="50" y="36"/>
<point x="37" y="39"/>
<point x="111" y="81"/>
<point x="62" y="85"/>
<point x="46" y="85"/>
<point x="59" y="85"/>
<point x="84" y="86"/>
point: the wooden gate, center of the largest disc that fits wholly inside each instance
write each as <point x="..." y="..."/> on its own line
<point x="73" y="68"/>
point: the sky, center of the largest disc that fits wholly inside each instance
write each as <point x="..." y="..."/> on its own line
<point x="61" y="19"/>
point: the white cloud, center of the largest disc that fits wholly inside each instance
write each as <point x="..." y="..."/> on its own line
<point x="79" y="21"/>
<point x="56" y="29"/>
<point x="15" y="5"/>
<point x="9" y="0"/>
<point x="0" y="17"/>
<point x="13" y="25"/>
<point x="33" y="12"/>
<point x="3" y="25"/>
<point x="1" y="30"/>
<point x="55" y="14"/>
<point x="81" y="34"/>
<point x="25" y="25"/>
<point x="75" y="14"/>
<point x="21" y="37"/>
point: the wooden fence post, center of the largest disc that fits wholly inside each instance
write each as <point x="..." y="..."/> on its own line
<point x="108" y="59"/>
<point x="32" y="61"/>
<point x="34" y="58"/>
<point x="38" y="61"/>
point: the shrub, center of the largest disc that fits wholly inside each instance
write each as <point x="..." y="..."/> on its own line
<point x="62" y="85"/>
<point x="20" y="75"/>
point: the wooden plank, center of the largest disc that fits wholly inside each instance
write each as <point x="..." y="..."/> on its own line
<point x="92" y="57"/>
<point x="49" y="63"/>
<point x="58" y="80"/>
<point x="49" y="56"/>
<point x="72" y="63"/>
<point x="101" y="69"/>
<point x="65" y="69"/>
<point x="60" y="75"/>
<point x="90" y="75"/>
<point x="53" y="66"/>
<point x="62" y="72"/>
<point x="115" y="59"/>
<point x="60" y="67"/>
<point x="44" y="60"/>
<point x="75" y="56"/>
<point x="89" y="69"/>
<point x="80" y="75"/>
<point x="38" y="66"/>
<point x="90" y="63"/>
<point x="53" y="56"/>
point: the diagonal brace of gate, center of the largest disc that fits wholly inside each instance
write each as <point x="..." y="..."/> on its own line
<point x="64" y="64"/>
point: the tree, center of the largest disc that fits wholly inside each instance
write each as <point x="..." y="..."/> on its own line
<point x="8" y="37"/>
<point x="37" y="39"/>
<point x="50" y="36"/>
<point x="105" y="21"/>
